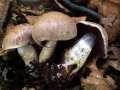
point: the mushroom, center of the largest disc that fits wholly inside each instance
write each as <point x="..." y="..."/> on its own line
<point x="95" y="39"/>
<point x="54" y="26"/>
<point x="51" y="26"/>
<point x="18" y="37"/>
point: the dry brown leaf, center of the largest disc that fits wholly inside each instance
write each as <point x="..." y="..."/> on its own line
<point x="115" y="1"/>
<point x="4" y="6"/>
<point x="114" y="58"/>
<point x="95" y="80"/>
<point x="111" y="20"/>
<point x="111" y="16"/>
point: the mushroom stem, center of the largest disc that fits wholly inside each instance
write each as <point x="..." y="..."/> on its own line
<point x="47" y="51"/>
<point x="27" y="53"/>
<point x="79" y="53"/>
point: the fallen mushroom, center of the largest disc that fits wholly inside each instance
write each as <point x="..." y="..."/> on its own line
<point x="79" y="53"/>
<point x="102" y="38"/>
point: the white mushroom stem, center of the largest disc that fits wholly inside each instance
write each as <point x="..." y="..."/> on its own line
<point x="47" y="51"/>
<point x="79" y="53"/>
<point x="27" y="53"/>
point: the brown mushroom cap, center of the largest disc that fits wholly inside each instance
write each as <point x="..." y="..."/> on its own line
<point x="54" y="26"/>
<point x="17" y="36"/>
<point x="101" y="45"/>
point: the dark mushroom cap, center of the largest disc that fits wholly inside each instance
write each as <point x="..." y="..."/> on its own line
<point x="54" y="26"/>
<point x="101" y="45"/>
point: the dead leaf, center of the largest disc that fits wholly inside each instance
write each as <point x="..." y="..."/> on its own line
<point x="114" y="58"/>
<point x="110" y="21"/>
<point x="95" y="80"/>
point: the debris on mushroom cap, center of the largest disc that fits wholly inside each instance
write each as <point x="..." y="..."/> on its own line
<point x="102" y="38"/>
<point x="54" y="26"/>
<point x="16" y="37"/>
<point x="27" y="53"/>
<point x="47" y="51"/>
<point x="32" y="19"/>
